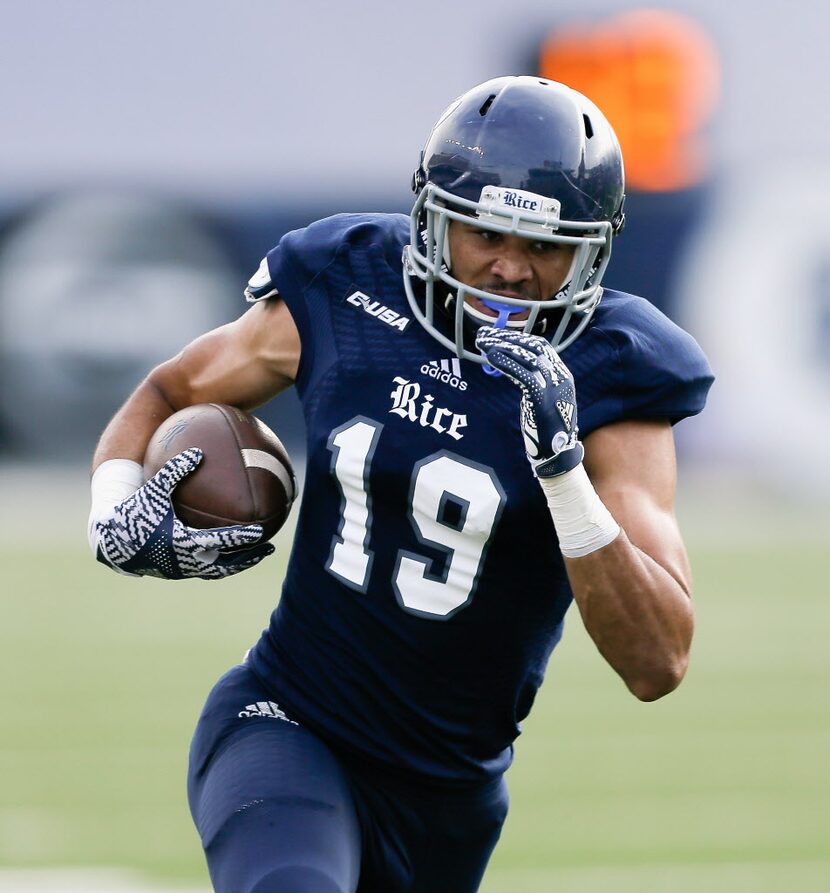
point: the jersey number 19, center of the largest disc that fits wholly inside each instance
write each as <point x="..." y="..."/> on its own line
<point x="453" y="506"/>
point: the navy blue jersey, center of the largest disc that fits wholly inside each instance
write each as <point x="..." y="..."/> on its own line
<point x="425" y="590"/>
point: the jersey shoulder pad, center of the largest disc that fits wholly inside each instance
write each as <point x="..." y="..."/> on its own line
<point x="302" y="253"/>
<point x="650" y="367"/>
<point x="260" y="286"/>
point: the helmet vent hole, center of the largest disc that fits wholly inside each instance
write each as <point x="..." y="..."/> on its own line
<point x="486" y="106"/>
<point x="589" y="130"/>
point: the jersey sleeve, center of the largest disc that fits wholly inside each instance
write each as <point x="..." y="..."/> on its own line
<point x="656" y="370"/>
<point x="289" y="270"/>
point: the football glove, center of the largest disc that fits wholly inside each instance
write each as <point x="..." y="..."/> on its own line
<point x="548" y="406"/>
<point x="143" y="536"/>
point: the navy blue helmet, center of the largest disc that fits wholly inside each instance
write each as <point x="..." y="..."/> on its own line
<point x="527" y="157"/>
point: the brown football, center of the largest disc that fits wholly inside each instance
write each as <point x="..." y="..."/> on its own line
<point x="245" y="475"/>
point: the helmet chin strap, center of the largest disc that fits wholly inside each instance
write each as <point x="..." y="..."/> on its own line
<point x="503" y="311"/>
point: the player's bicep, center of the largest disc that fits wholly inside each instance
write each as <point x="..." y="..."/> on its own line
<point x="633" y="468"/>
<point x="243" y="363"/>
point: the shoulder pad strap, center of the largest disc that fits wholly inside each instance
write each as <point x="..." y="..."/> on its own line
<point x="260" y="285"/>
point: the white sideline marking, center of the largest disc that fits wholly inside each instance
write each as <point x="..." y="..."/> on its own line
<point x="807" y="876"/>
<point x="81" y="880"/>
<point x="727" y="877"/>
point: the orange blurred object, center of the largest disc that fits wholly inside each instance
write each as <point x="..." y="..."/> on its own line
<point x="656" y="76"/>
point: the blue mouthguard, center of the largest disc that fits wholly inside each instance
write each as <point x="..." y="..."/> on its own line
<point x="503" y="310"/>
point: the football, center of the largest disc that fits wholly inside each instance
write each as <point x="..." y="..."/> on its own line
<point x="245" y="475"/>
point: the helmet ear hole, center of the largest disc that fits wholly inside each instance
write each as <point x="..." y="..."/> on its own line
<point x="618" y="220"/>
<point x="419" y="177"/>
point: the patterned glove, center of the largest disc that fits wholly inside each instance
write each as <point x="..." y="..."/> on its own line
<point x="144" y="537"/>
<point x="548" y="406"/>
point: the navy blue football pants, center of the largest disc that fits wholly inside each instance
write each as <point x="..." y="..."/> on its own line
<point x="279" y="812"/>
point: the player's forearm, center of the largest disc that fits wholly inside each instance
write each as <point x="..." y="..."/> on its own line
<point x="639" y="616"/>
<point x="130" y="430"/>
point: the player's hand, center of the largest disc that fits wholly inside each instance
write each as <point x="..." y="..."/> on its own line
<point x="548" y="405"/>
<point x="145" y="538"/>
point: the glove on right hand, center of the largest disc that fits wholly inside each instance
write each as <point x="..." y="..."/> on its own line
<point x="548" y="414"/>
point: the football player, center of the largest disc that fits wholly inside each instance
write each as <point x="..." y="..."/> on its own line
<point x="489" y="438"/>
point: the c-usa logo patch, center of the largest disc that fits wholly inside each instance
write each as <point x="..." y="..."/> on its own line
<point x="385" y="314"/>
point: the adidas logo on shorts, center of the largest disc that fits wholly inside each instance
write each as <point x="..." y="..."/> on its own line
<point x="447" y="371"/>
<point x="266" y="708"/>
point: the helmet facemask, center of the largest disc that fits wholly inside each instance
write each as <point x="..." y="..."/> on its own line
<point x="511" y="212"/>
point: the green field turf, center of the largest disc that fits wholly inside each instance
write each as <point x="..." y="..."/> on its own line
<point x="723" y="786"/>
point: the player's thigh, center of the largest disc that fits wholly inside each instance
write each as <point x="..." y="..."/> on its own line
<point x="271" y="802"/>
<point x="463" y="832"/>
<point x="422" y="839"/>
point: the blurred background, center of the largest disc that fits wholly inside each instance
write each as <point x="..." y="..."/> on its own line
<point x="152" y="153"/>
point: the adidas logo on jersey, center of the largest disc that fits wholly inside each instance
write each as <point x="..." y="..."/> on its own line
<point x="266" y="708"/>
<point x="447" y="371"/>
<point x="391" y="317"/>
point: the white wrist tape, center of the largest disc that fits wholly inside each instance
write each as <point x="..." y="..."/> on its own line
<point x="112" y="482"/>
<point x="583" y="523"/>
